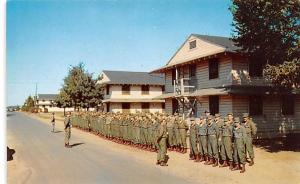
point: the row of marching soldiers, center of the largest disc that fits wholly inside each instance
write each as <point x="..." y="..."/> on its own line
<point x="227" y="141"/>
<point x="143" y="130"/>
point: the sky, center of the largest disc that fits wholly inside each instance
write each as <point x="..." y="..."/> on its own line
<point x="45" y="38"/>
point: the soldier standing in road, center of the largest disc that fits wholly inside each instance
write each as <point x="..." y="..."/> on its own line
<point x="68" y="124"/>
<point x="250" y="132"/>
<point x="162" y="144"/>
<point x="53" y="122"/>
<point x="239" y="134"/>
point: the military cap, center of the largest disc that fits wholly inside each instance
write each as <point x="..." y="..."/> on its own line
<point x="226" y="119"/>
<point x="217" y="115"/>
<point x="209" y="117"/>
<point x="192" y="119"/>
<point x="245" y="115"/>
<point x="230" y="113"/>
<point x="237" y="120"/>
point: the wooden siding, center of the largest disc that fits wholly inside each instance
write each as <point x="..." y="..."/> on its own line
<point x="168" y="106"/>
<point x="203" y="48"/>
<point x="202" y="74"/>
<point x="168" y="82"/>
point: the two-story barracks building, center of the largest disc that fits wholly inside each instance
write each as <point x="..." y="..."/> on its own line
<point x="225" y="81"/>
<point x="132" y="91"/>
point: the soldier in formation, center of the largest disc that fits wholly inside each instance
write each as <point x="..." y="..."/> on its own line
<point x="222" y="140"/>
<point x="213" y="140"/>
<point x="68" y="124"/>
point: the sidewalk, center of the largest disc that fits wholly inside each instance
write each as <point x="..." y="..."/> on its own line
<point x="280" y="167"/>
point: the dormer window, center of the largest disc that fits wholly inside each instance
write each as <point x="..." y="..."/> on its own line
<point x="193" y="44"/>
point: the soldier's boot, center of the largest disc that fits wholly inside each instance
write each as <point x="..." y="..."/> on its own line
<point x="230" y="165"/>
<point x="216" y="163"/>
<point x="192" y="157"/>
<point x="201" y="158"/>
<point x="251" y="162"/>
<point x="157" y="162"/>
<point x="184" y="150"/>
<point x="243" y="168"/>
<point x="225" y="164"/>
<point x="207" y="161"/>
<point x="197" y="158"/>
<point x="163" y="164"/>
<point x="211" y="161"/>
<point x="236" y="167"/>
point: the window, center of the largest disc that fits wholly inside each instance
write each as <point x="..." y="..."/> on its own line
<point x="255" y="105"/>
<point x="108" y="107"/>
<point x="213" y="68"/>
<point x="213" y="104"/>
<point x="192" y="70"/>
<point x="125" y="89"/>
<point x="173" y="75"/>
<point x="145" y="89"/>
<point x="255" y="68"/>
<point x="107" y="90"/>
<point x="125" y="107"/>
<point x="145" y="107"/>
<point x="163" y="88"/>
<point x="193" y="44"/>
<point x="287" y="105"/>
<point x="163" y="106"/>
<point x="174" y="105"/>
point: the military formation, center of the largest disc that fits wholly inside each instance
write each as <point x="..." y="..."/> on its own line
<point x="214" y="140"/>
<point x="226" y="141"/>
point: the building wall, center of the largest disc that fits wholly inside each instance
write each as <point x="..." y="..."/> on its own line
<point x="134" y="107"/>
<point x="115" y="92"/>
<point x="168" y="105"/>
<point x="203" y="48"/>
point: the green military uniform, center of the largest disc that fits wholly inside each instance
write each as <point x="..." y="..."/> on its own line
<point x="226" y="155"/>
<point x="239" y="134"/>
<point x="212" y="144"/>
<point x="67" y="123"/>
<point x="162" y="144"/>
<point x="183" y="127"/>
<point x="202" y="132"/>
<point x="170" y="129"/>
<point x="251" y="130"/>
<point x="193" y="140"/>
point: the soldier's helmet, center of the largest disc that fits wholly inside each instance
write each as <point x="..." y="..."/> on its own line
<point x="245" y="115"/>
<point x="236" y="120"/>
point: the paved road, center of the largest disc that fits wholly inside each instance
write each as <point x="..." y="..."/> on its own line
<point x="41" y="158"/>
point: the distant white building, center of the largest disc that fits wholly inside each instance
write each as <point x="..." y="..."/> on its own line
<point x="132" y="91"/>
<point x="47" y="101"/>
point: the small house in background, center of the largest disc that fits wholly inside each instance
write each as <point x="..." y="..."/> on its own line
<point x="46" y="103"/>
<point x="208" y="73"/>
<point x="132" y="91"/>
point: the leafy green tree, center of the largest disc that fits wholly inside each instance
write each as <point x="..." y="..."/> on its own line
<point x="63" y="100"/>
<point x="80" y="88"/>
<point x="268" y="32"/>
<point x="28" y="104"/>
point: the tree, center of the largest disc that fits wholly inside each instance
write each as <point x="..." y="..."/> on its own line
<point x="80" y="88"/>
<point x="286" y="74"/>
<point x="28" y="104"/>
<point x="63" y="100"/>
<point x="268" y="32"/>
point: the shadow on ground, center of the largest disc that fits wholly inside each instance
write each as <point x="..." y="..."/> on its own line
<point x="76" y="144"/>
<point x="289" y="143"/>
<point x="10" y="153"/>
<point x="57" y="131"/>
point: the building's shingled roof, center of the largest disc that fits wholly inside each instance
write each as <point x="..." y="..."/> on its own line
<point x="135" y="78"/>
<point x="47" y="96"/>
<point x="219" y="40"/>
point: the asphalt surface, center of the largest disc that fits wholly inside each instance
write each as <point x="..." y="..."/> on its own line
<point x="40" y="157"/>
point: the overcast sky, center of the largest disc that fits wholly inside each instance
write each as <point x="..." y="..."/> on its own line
<point x="44" y="38"/>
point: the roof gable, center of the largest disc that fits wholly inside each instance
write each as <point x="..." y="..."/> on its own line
<point x="205" y="46"/>
<point x="47" y="96"/>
